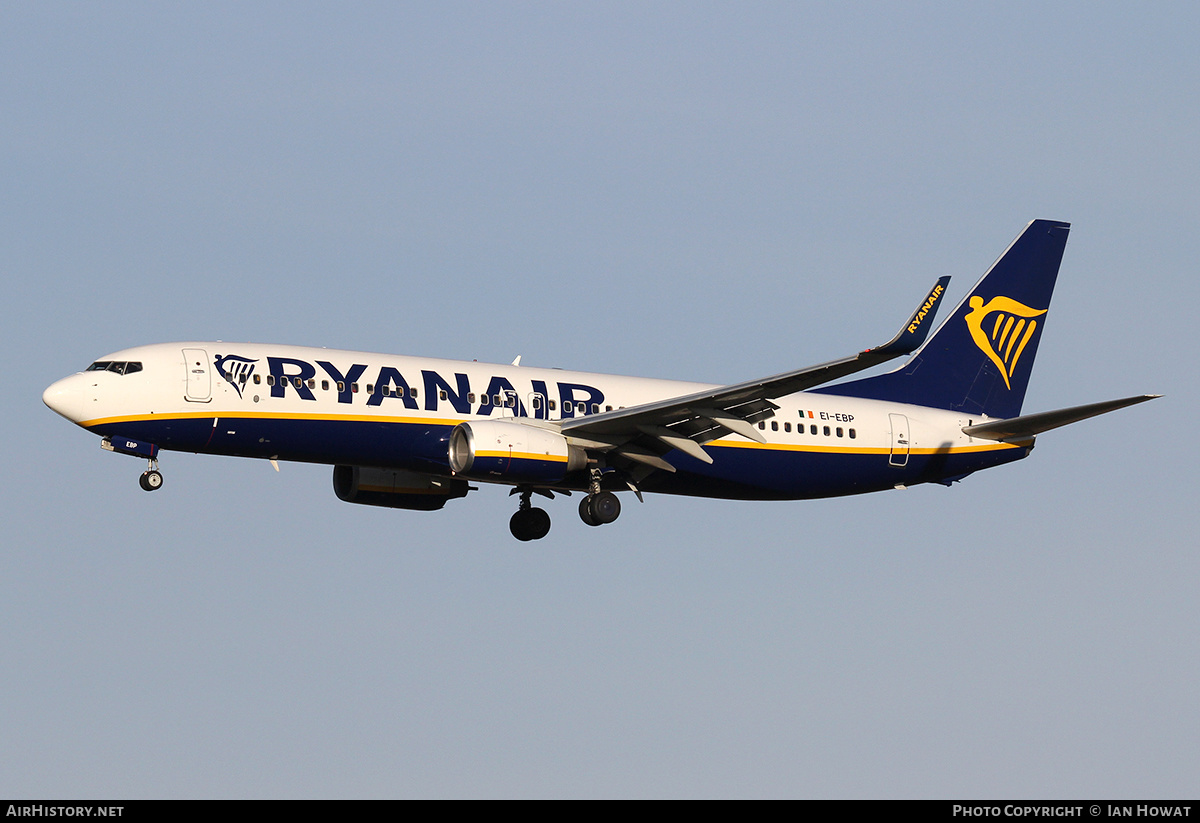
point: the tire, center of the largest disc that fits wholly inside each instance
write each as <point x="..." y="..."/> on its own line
<point x="605" y="507"/>
<point x="519" y="525"/>
<point x="585" y="512"/>
<point x="539" y="523"/>
<point x="529" y="524"/>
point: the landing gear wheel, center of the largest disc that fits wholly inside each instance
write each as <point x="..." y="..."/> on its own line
<point x="585" y="512"/>
<point x="151" y="480"/>
<point x="598" y="509"/>
<point x="539" y="523"/>
<point x="605" y="507"/>
<point x="529" y="524"/>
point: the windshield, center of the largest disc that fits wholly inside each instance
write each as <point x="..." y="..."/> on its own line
<point x="118" y="366"/>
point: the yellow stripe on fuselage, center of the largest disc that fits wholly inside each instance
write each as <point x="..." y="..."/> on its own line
<point x="240" y="415"/>
<point x="797" y="447"/>
<point x="454" y="421"/>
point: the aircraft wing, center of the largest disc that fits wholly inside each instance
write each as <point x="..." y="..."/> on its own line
<point x="1027" y="425"/>
<point x="647" y="432"/>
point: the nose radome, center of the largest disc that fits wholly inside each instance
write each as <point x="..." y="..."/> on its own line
<point x="66" y="397"/>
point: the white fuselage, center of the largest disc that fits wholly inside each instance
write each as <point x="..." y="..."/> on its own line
<point x="358" y="408"/>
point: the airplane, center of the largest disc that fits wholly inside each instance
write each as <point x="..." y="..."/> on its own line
<point x="415" y="433"/>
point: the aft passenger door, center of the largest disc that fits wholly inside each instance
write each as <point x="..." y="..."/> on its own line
<point x="900" y="440"/>
<point x="199" y="377"/>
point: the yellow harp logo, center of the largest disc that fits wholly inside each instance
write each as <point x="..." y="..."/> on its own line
<point x="1004" y="338"/>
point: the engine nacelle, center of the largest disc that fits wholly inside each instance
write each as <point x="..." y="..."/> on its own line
<point x="394" y="488"/>
<point x="512" y="451"/>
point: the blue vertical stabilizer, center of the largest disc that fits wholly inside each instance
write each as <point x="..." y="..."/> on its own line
<point x="980" y="359"/>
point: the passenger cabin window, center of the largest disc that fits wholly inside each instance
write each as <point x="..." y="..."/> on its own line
<point x="774" y="425"/>
<point x="257" y="379"/>
<point x="787" y="427"/>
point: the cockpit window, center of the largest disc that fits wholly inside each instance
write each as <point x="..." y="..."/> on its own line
<point x="118" y="366"/>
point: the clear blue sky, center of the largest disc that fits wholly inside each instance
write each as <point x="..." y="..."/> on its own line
<point x="705" y="191"/>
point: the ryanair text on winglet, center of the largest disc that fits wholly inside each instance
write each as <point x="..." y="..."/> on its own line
<point x="925" y="307"/>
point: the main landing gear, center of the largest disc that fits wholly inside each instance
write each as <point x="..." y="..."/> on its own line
<point x="529" y="523"/>
<point x="596" y="509"/>
<point x="599" y="508"/>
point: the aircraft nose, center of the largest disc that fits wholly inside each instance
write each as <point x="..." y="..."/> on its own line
<point x="66" y="397"/>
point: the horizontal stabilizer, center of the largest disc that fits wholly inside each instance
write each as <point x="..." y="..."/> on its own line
<point x="1027" y="425"/>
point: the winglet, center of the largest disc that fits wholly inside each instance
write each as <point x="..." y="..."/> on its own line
<point x="914" y="332"/>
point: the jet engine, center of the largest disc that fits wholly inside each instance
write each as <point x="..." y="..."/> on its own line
<point x="395" y="488"/>
<point x="512" y="451"/>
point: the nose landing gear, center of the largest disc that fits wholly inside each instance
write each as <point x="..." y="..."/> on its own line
<point x="151" y="479"/>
